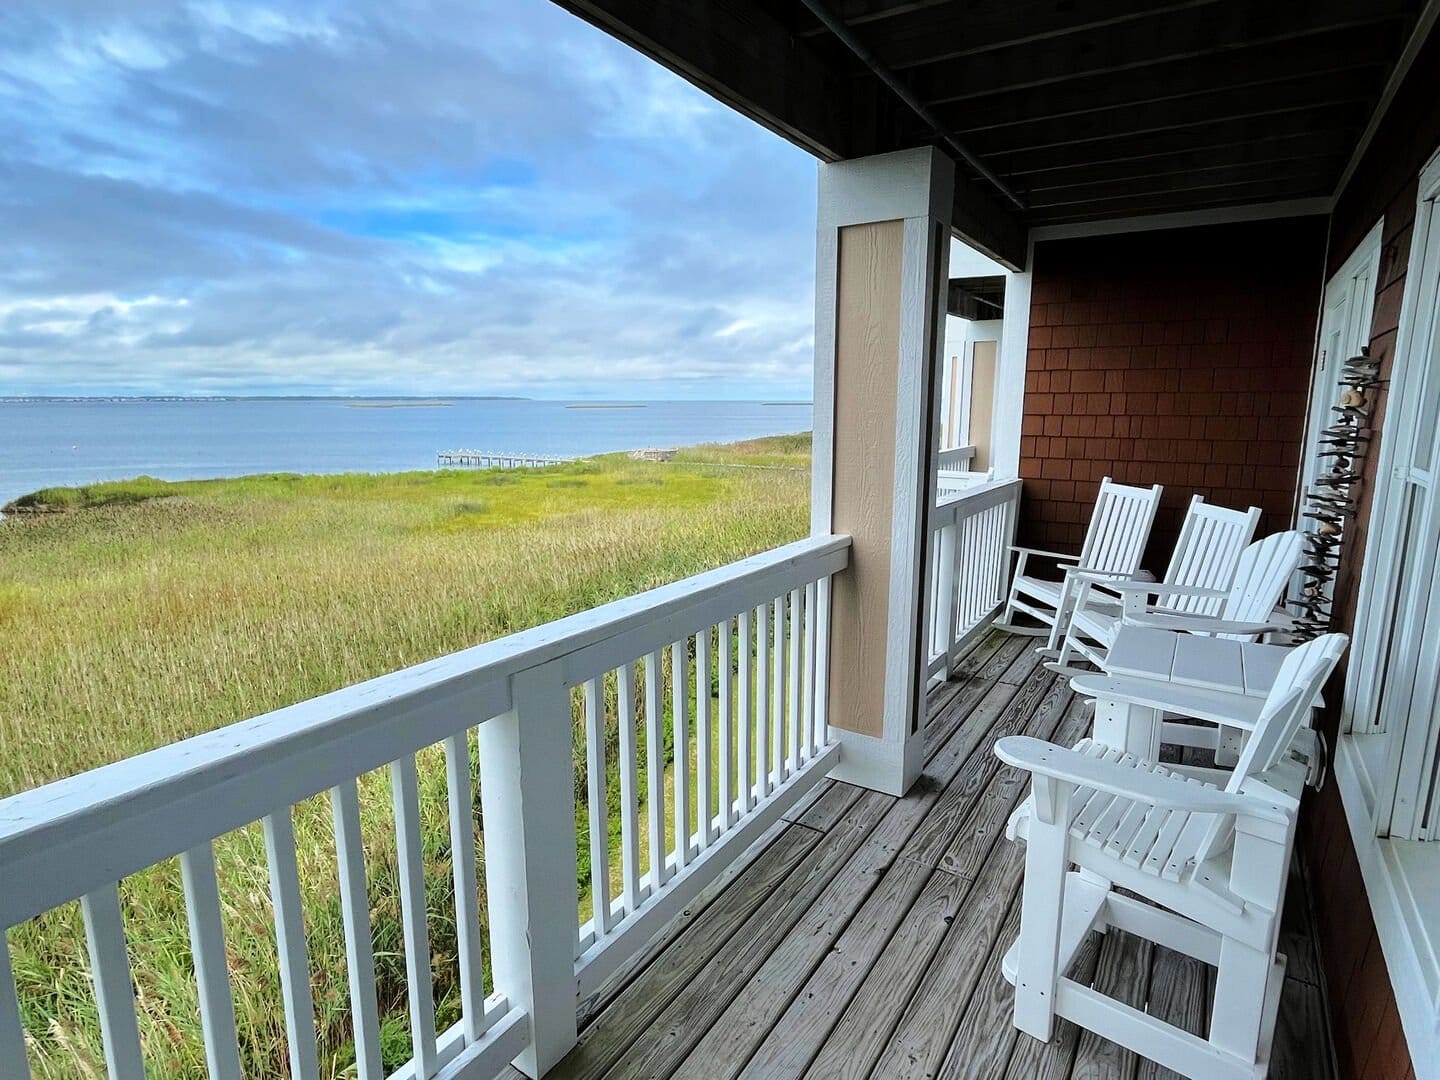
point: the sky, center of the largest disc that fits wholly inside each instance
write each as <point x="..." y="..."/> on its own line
<point x="385" y="197"/>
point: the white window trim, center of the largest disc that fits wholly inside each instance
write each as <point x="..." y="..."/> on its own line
<point x="1401" y="877"/>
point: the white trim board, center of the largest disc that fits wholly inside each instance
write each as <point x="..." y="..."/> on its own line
<point x="1396" y="873"/>
<point x="1184" y="219"/>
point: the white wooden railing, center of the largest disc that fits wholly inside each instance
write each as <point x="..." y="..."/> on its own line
<point x="970" y="536"/>
<point x="734" y="657"/>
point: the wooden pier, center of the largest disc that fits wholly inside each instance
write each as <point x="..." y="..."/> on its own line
<point x="485" y="459"/>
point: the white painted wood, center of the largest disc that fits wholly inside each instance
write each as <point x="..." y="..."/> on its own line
<point x="762" y="700"/>
<point x="114" y="992"/>
<point x="629" y="787"/>
<point x="680" y="725"/>
<point x="597" y="805"/>
<point x="655" y="767"/>
<point x="212" y="973"/>
<point x="795" y="630"/>
<point x="778" y="718"/>
<point x="460" y="802"/>
<point x="419" y="979"/>
<point x="747" y="778"/>
<point x="822" y="662"/>
<point x="290" y="944"/>
<point x="704" y="732"/>
<point x="812" y="738"/>
<point x="359" y="947"/>
<point x="525" y="758"/>
<point x="1211" y="663"/>
<point x="727" y="724"/>
<point x="12" y="1031"/>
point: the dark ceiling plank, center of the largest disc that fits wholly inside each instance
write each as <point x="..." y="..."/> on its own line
<point x="739" y="53"/>
<point x="1130" y="46"/>
<point x="859" y="12"/>
<point x="1256" y="66"/>
<point x="1220" y="106"/>
<point x="1317" y="169"/>
<point x="1257" y="153"/>
<point x="955" y="30"/>
<point x="1143" y="205"/>
<point x="1329" y="118"/>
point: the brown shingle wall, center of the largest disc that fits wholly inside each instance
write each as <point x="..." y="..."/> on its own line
<point x="1180" y="358"/>
<point x="1368" y="1038"/>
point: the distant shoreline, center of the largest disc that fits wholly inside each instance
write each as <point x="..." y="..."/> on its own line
<point x="607" y="405"/>
<point x="398" y="404"/>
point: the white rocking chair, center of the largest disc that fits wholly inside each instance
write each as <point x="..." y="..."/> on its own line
<point x="1207" y="556"/>
<point x="1114" y="544"/>
<point x="1212" y="864"/>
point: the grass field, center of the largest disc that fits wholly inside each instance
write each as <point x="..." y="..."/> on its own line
<point x="143" y="612"/>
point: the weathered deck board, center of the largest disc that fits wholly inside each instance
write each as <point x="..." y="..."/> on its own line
<point x="862" y="937"/>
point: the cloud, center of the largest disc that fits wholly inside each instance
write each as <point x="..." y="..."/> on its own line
<point x="389" y="197"/>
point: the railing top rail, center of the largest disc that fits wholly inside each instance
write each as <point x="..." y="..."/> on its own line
<point x="988" y="493"/>
<point x="101" y="825"/>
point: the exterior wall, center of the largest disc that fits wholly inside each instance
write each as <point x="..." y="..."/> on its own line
<point x="1368" y="1038"/>
<point x="1179" y="357"/>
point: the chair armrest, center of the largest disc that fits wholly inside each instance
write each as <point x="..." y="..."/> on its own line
<point x="1059" y="555"/>
<point x="1216" y="706"/>
<point x="1199" y="624"/>
<point x="1155" y="588"/>
<point x="1041" y="758"/>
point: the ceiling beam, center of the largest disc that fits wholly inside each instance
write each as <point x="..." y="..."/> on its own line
<point x="1168" y="202"/>
<point x="1318" y="169"/>
<point x="1255" y="67"/>
<point x="1155" y="117"/>
<point x="957" y="30"/>
<point x="1126" y="147"/>
<point x="859" y="12"/>
<point x="988" y="225"/>
<point x="1131" y="46"/>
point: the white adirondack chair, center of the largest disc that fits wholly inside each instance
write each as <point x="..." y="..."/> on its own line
<point x="1207" y="555"/>
<point x="1210" y="864"/>
<point x="1114" y="544"/>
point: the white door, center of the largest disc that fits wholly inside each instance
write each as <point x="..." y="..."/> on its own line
<point x="1344" y="329"/>
<point x="1397" y="647"/>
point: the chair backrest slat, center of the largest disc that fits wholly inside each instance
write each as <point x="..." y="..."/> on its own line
<point x="1119" y="527"/>
<point x="1286" y="709"/>
<point x="1264" y="569"/>
<point x="1208" y="552"/>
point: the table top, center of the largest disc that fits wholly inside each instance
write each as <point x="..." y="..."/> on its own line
<point x="1235" y="667"/>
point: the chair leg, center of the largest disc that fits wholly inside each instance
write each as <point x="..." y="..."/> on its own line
<point x="1040" y="911"/>
<point x="1240" y="984"/>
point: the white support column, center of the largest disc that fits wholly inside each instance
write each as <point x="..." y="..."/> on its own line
<point x="881" y="277"/>
<point x="525" y="768"/>
<point x="1010" y="373"/>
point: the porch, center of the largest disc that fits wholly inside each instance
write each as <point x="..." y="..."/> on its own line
<point x="862" y="934"/>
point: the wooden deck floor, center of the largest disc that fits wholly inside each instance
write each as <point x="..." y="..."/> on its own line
<point x="862" y="937"/>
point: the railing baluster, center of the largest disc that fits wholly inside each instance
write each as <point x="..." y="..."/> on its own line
<point x="13" y="1058"/>
<point x="629" y="786"/>
<point x="727" y="727"/>
<point x="822" y="661"/>
<point x="212" y="974"/>
<point x="811" y="742"/>
<point x="762" y="696"/>
<point x="598" y="806"/>
<point x="468" y="935"/>
<point x="797" y="630"/>
<point x="747" y="717"/>
<point x="359" y="944"/>
<point x="704" y="785"/>
<point x="655" y="768"/>
<point x="778" y="685"/>
<point x="405" y="789"/>
<point x="114" y="992"/>
<point x="679" y="666"/>
<point x="290" y="945"/>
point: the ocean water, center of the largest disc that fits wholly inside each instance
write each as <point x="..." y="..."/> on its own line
<point x="52" y="443"/>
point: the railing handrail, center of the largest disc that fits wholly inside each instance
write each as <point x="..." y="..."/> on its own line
<point x="988" y="493"/>
<point x="59" y="841"/>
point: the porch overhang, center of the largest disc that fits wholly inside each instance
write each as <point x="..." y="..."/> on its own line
<point x="1085" y="112"/>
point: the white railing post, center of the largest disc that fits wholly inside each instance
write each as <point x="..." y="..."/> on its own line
<point x="943" y="596"/>
<point x="526" y="780"/>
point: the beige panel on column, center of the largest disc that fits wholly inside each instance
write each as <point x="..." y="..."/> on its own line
<point x="867" y="351"/>
<point x="982" y="402"/>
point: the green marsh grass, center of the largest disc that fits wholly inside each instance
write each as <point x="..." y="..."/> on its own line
<point x="143" y="612"/>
